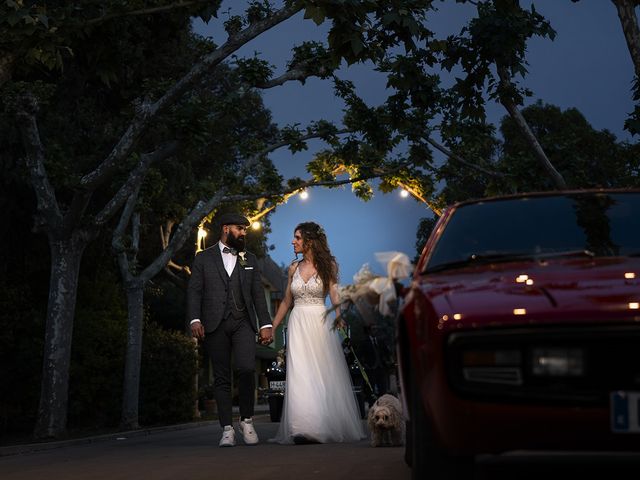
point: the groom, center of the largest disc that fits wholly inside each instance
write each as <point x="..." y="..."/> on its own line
<point x="224" y="296"/>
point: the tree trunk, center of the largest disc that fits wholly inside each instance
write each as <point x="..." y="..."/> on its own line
<point x="629" y="23"/>
<point x="66" y="255"/>
<point x="131" y="391"/>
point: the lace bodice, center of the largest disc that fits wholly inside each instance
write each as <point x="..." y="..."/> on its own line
<point x="310" y="293"/>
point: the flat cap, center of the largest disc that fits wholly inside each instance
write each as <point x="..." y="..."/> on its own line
<point x="233" y="219"/>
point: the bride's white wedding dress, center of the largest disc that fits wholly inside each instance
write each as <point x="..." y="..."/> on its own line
<point x="319" y="403"/>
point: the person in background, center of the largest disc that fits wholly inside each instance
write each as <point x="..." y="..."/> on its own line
<point x="375" y="358"/>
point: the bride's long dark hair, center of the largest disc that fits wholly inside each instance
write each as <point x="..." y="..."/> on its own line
<point x="314" y="238"/>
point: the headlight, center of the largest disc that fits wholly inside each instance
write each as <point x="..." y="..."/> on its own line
<point x="557" y="362"/>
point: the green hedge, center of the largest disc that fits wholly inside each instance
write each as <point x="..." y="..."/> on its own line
<point x="167" y="388"/>
<point x="21" y="344"/>
<point x="167" y="393"/>
<point x="168" y="367"/>
<point x="97" y="368"/>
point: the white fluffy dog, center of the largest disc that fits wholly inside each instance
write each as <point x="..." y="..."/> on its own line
<point x="386" y="422"/>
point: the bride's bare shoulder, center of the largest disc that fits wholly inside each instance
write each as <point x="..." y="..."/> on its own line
<point x="293" y="266"/>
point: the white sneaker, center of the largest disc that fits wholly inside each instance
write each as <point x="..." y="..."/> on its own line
<point x="249" y="435"/>
<point x="228" y="437"/>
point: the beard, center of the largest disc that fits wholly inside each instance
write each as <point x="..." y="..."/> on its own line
<point x="236" y="242"/>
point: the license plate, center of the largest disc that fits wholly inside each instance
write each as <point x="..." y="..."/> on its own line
<point x="277" y="384"/>
<point x="624" y="412"/>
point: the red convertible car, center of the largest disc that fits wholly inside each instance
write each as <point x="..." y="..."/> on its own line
<point x="521" y="330"/>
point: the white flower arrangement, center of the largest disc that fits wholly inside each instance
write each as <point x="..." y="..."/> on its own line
<point x="370" y="291"/>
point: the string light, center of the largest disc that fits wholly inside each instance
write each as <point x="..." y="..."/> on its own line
<point x="256" y="225"/>
<point x="304" y="195"/>
<point x="404" y="193"/>
<point x="202" y="234"/>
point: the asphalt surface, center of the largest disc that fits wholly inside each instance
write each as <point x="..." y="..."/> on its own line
<point x="191" y="452"/>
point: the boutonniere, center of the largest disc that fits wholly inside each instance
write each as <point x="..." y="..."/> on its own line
<point x="243" y="258"/>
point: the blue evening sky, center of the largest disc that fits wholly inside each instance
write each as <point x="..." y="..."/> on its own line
<point x="587" y="67"/>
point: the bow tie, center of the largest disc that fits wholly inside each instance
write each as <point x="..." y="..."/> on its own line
<point x="232" y="251"/>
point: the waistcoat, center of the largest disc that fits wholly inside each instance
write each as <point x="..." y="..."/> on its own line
<point x="234" y="305"/>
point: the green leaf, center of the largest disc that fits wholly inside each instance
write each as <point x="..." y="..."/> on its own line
<point x="317" y="14"/>
<point x="43" y="19"/>
<point x="356" y="46"/>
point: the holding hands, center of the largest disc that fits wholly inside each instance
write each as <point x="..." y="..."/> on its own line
<point x="266" y="336"/>
<point x="197" y="330"/>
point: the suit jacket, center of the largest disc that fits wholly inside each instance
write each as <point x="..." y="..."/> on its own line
<point x="207" y="290"/>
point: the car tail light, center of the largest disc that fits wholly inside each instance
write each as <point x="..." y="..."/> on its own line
<point x="557" y="362"/>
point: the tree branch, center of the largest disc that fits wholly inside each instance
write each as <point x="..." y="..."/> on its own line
<point x="47" y="204"/>
<point x="165" y="233"/>
<point x="461" y="160"/>
<point x="298" y="73"/>
<point x="134" y="180"/>
<point x="125" y="218"/>
<point x="165" y="236"/>
<point x="142" y="11"/>
<point x="417" y="195"/>
<point x="148" y="111"/>
<point x="529" y="136"/>
<point x="175" y="279"/>
<point x="117" y="242"/>
<point x="275" y="146"/>
<point x="135" y="236"/>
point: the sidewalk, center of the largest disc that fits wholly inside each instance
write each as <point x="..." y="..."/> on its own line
<point x="261" y="415"/>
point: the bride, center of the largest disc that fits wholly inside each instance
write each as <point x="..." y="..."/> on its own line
<point x="319" y="403"/>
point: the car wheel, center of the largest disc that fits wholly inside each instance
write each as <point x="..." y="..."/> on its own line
<point x="428" y="460"/>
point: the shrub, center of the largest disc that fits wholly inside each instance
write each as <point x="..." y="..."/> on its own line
<point x="21" y="340"/>
<point x="169" y="367"/>
<point x="98" y="349"/>
<point x="97" y="368"/>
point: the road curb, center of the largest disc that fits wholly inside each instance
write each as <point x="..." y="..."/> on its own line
<point x="25" y="448"/>
<point x="36" y="447"/>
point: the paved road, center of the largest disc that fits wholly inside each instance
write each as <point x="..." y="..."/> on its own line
<point x="193" y="454"/>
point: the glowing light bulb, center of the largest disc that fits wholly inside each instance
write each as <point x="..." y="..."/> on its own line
<point x="202" y="234"/>
<point x="404" y="193"/>
<point x="304" y="195"/>
<point x="256" y="225"/>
